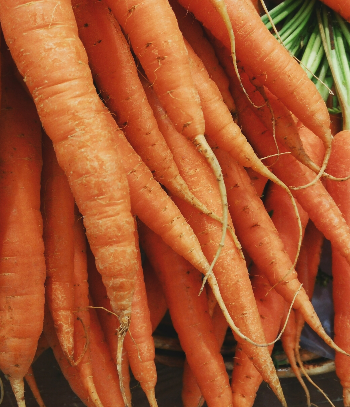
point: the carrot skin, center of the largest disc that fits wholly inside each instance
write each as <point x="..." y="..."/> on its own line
<point x="195" y="35"/>
<point x="168" y="71"/>
<point x="271" y="63"/>
<point x="190" y="316"/>
<point x="82" y="132"/>
<point x="116" y="76"/>
<point x="339" y="166"/>
<point x="22" y="265"/>
<point x="58" y="216"/>
<point x="230" y="268"/>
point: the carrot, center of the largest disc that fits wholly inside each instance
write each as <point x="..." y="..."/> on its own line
<point x="109" y="323"/>
<point x="338" y="166"/>
<point x="230" y="268"/>
<point x="116" y="76"/>
<point x="30" y="379"/>
<point x="190" y="316"/>
<point x="195" y="35"/>
<point x="58" y="215"/>
<point x="138" y="342"/>
<point x="169" y="73"/>
<point x="271" y="64"/>
<point x="245" y="378"/>
<point x="340" y="7"/>
<point x="82" y="349"/>
<point x="82" y="132"/>
<point x="69" y="371"/>
<point x="155" y="297"/>
<point x="22" y="272"/>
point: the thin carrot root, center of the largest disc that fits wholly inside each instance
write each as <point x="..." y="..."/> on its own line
<point x="204" y="148"/>
<point x="122" y="331"/>
<point x="18" y="390"/>
<point x="30" y="379"/>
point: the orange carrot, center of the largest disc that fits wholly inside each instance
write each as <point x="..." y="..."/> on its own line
<point x="155" y="297"/>
<point x="116" y="76"/>
<point x="338" y="166"/>
<point x="341" y="7"/>
<point x="230" y="268"/>
<point x="271" y="64"/>
<point x="138" y="341"/>
<point x="58" y="215"/>
<point x="195" y="35"/>
<point x="108" y="321"/>
<point x="82" y="132"/>
<point x="22" y="271"/>
<point x="169" y="73"/>
<point x="190" y="316"/>
<point x="82" y="349"/>
<point x="30" y="379"/>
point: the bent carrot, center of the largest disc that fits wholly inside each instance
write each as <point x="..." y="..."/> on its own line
<point x="272" y="65"/>
<point x="230" y="268"/>
<point x="22" y="265"/>
<point x="82" y="132"/>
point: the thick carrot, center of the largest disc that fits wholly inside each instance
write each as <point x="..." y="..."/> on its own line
<point x="52" y="60"/>
<point x="58" y="216"/>
<point x="230" y="268"/>
<point x="190" y="316"/>
<point x="22" y="271"/>
<point x="116" y="76"/>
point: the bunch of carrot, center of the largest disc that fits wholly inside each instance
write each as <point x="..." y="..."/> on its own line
<point x="158" y="127"/>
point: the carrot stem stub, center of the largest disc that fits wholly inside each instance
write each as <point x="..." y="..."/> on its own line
<point x="43" y="40"/>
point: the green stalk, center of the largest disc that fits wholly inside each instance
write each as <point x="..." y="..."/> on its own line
<point x="290" y="31"/>
<point x="280" y="12"/>
<point x="329" y="43"/>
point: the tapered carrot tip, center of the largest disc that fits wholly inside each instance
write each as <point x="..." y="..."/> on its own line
<point x="346" y="396"/>
<point x="18" y="390"/>
<point x="151" y="397"/>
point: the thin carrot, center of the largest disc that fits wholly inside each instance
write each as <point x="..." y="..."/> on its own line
<point x="155" y="297"/>
<point x="108" y="321"/>
<point x="245" y="378"/>
<point x="22" y="272"/>
<point x="69" y="372"/>
<point x="195" y="35"/>
<point x="58" y="215"/>
<point x="30" y="379"/>
<point x="190" y="316"/>
<point x="82" y="132"/>
<point x="82" y="349"/>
